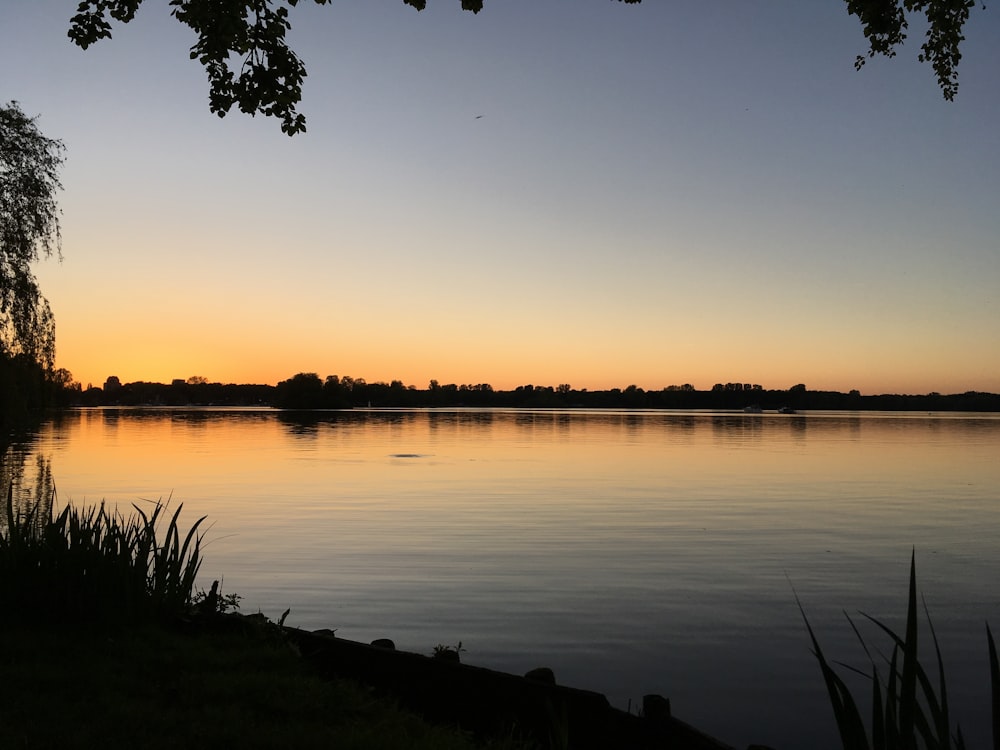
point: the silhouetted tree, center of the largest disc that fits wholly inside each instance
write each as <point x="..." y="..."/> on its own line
<point x="335" y="394"/>
<point x="302" y="391"/>
<point x="29" y="230"/>
<point x="885" y="23"/>
<point x="65" y="389"/>
<point x="241" y="44"/>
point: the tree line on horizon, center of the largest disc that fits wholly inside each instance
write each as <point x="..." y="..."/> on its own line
<point x="310" y="391"/>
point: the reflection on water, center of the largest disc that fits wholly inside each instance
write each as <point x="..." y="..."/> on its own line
<point x="26" y="481"/>
<point x="632" y="552"/>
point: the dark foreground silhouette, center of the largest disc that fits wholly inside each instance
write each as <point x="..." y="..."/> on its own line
<point x="491" y="704"/>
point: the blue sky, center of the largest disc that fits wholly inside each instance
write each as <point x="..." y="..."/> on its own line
<point x="656" y="194"/>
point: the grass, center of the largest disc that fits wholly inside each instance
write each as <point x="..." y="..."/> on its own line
<point x="908" y="706"/>
<point x="152" y="687"/>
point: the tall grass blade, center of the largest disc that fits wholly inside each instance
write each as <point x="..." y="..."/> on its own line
<point x="878" y="713"/>
<point x="908" y="681"/>
<point x="189" y="564"/>
<point x="939" y="707"/>
<point x="845" y="710"/>
<point x="902" y="692"/>
<point x="892" y="735"/>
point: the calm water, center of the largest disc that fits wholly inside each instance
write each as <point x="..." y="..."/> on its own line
<point x="632" y="552"/>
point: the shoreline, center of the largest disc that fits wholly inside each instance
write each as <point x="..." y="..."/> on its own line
<point x="489" y="702"/>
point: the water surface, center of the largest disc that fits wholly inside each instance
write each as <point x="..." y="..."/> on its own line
<point x="632" y="552"/>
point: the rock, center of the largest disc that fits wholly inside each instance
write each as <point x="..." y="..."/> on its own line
<point x="655" y="707"/>
<point x="543" y="675"/>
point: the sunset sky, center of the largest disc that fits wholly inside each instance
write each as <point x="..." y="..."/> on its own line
<point x="663" y="193"/>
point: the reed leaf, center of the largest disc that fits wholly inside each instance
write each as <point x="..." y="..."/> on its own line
<point x="845" y="710"/>
<point x="937" y="705"/>
<point x="892" y="735"/>
<point x="908" y="681"/>
<point x="878" y="713"/>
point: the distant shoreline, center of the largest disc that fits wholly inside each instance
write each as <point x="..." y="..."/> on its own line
<point x="308" y="391"/>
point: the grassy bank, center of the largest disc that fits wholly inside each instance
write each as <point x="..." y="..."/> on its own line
<point x="153" y="686"/>
<point x="104" y="642"/>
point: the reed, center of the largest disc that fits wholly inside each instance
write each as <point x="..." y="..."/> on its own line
<point x="96" y="563"/>
<point x="909" y="709"/>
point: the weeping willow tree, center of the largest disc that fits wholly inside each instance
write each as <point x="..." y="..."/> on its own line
<point x="29" y="231"/>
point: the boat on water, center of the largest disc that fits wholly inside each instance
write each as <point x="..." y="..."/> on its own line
<point x="752" y="409"/>
<point x="786" y="410"/>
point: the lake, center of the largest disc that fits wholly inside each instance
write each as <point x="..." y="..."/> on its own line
<point x="631" y="552"/>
